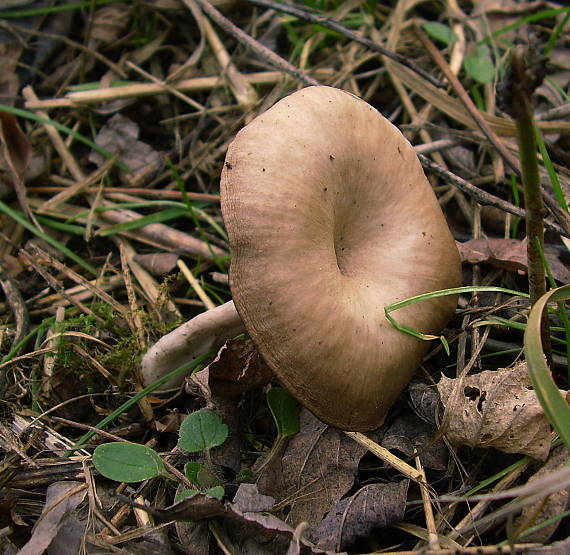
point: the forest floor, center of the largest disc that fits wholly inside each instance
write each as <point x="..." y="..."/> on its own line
<point x="115" y="119"/>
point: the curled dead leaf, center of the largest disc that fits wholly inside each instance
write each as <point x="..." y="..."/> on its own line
<point x="496" y="409"/>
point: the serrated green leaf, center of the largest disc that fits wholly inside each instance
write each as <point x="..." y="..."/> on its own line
<point x="440" y="32"/>
<point x="284" y="411"/>
<point x="127" y="462"/>
<point x="480" y="65"/>
<point x="202" y="430"/>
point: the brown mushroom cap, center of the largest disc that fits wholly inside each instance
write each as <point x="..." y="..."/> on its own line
<point x="330" y="218"/>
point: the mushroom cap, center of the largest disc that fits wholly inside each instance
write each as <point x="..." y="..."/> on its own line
<point x="330" y="218"/>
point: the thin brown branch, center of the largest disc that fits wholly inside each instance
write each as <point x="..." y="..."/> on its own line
<point x="262" y="51"/>
<point x="468" y="103"/>
<point x="318" y="19"/>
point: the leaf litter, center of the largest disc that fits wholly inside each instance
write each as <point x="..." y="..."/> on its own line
<point x="496" y="408"/>
<point x="146" y="92"/>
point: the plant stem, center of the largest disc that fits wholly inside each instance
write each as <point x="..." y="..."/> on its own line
<point x="534" y="206"/>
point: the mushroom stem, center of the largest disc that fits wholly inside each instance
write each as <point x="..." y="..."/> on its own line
<point x="189" y="341"/>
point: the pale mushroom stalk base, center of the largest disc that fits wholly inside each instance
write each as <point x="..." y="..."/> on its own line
<point x="187" y="342"/>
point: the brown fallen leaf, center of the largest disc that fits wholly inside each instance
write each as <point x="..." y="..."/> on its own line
<point x="58" y="526"/>
<point x="201" y="508"/>
<point x="159" y="263"/>
<point x="509" y="254"/>
<point x="411" y="435"/>
<point x="237" y="368"/>
<point x="371" y="507"/>
<point x="15" y="145"/>
<point x="425" y="400"/>
<point x="120" y="136"/>
<point x="317" y="469"/>
<point x="544" y="509"/>
<point x="496" y="409"/>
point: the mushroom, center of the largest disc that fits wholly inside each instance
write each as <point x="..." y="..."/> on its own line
<point x="330" y="218"/>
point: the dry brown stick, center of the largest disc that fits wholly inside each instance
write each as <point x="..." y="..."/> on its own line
<point x="482" y="197"/>
<point x="467" y="102"/>
<point x="139" y="90"/>
<point x="433" y="539"/>
<point x="76" y="188"/>
<point x="139" y="191"/>
<point x="58" y="143"/>
<point x="268" y="55"/>
<point x="335" y="26"/>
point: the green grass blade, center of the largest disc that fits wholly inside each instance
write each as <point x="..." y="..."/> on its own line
<point x="21" y="219"/>
<point x="554" y="404"/>
<point x="544" y="14"/>
<point x="157" y="217"/>
<point x="34" y="117"/>
<point x="553" y="176"/>
<point x="14" y="14"/>
<point x="67" y="228"/>
<point x="432" y="295"/>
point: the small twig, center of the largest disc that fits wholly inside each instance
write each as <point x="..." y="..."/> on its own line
<point x="482" y="197"/>
<point x="312" y="17"/>
<point x="56" y="139"/>
<point x="56" y="285"/>
<point x="17" y="305"/>
<point x="139" y="90"/>
<point x="268" y="55"/>
<point x="474" y="550"/>
<point x="467" y="102"/>
<point x="138" y="191"/>
<point x="433" y="539"/>
<point x="195" y="285"/>
<point x="385" y="455"/>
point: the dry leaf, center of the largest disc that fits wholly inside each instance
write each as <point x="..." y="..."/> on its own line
<point x="425" y="400"/>
<point x="120" y="136"/>
<point x="58" y="527"/>
<point x="200" y="508"/>
<point x="248" y="499"/>
<point x="555" y="504"/>
<point x="371" y="507"/>
<point x="237" y="368"/>
<point x="16" y="156"/>
<point x="318" y="468"/>
<point x="411" y="435"/>
<point x="15" y="145"/>
<point x="109" y="23"/>
<point x="496" y="409"/>
<point x="509" y="254"/>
